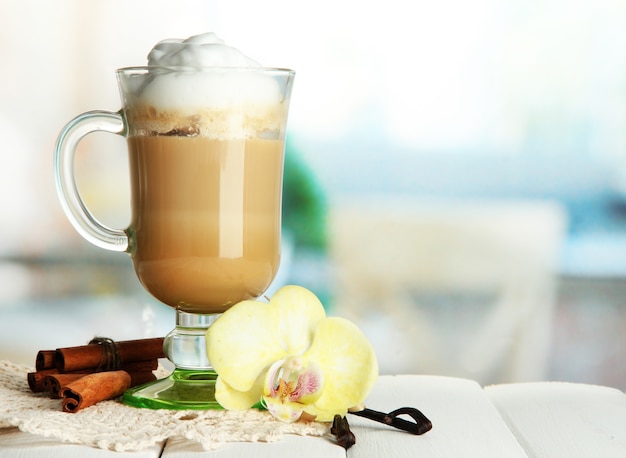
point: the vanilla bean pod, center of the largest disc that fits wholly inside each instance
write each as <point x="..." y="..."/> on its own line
<point x="341" y="430"/>
<point x="422" y="423"/>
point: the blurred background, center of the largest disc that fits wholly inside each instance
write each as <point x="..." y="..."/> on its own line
<point x="455" y="177"/>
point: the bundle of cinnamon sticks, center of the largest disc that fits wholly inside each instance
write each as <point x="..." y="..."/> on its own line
<point x="84" y="375"/>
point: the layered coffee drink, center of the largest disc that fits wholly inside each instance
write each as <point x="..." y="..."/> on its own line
<point x="205" y="127"/>
<point x="202" y="246"/>
<point x="206" y="158"/>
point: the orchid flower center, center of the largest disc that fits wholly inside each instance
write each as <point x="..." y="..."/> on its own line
<point x="290" y="380"/>
<point x="290" y="386"/>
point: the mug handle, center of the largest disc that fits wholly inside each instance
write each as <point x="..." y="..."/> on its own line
<point x="65" y="179"/>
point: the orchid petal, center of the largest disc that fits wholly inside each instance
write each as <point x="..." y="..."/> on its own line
<point x="231" y="399"/>
<point x="284" y="411"/>
<point x="243" y="342"/>
<point x="348" y="362"/>
<point x="299" y="311"/>
<point x="324" y="415"/>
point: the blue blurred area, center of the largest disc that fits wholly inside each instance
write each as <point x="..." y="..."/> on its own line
<point x="586" y="186"/>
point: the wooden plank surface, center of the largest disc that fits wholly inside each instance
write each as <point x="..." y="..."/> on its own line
<point x="17" y="444"/>
<point x="502" y="421"/>
<point x="564" y="419"/>
<point x="290" y="446"/>
<point x="465" y="423"/>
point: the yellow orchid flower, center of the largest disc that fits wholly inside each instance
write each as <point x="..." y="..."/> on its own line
<point x="288" y="355"/>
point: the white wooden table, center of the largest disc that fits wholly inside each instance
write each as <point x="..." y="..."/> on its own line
<point x="518" y="420"/>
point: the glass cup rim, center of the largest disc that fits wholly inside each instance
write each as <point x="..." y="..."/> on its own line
<point x="143" y="69"/>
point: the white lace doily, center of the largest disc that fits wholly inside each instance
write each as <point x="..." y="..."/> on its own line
<point x="113" y="426"/>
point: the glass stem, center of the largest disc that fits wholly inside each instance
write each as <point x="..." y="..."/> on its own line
<point x="185" y="345"/>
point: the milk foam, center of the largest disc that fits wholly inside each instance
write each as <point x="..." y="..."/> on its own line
<point x="211" y="86"/>
<point x="206" y="50"/>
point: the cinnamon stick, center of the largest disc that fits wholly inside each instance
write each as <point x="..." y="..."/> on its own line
<point x="36" y="379"/>
<point x="141" y="377"/>
<point x="54" y="383"/>
<point x="45" y="360"/>
<point x="94" y="356"/>
<point x="137" y="357"/>
<point x="141" y="366"/>
<point x="93" y="388"/>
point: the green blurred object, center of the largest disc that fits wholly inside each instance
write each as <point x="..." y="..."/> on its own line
<point x="304" y="204"/>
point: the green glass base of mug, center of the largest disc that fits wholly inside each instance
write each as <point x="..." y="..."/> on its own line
<point x="183" y="389"/>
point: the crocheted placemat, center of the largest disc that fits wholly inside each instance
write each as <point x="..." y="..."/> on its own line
<point x="114" y="426"/>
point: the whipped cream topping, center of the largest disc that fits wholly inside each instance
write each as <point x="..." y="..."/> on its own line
<point x="202" y="86"/>
<point x="205" y="50"/>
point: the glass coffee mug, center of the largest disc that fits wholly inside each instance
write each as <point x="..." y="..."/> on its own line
<point x="206" y="148"/>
